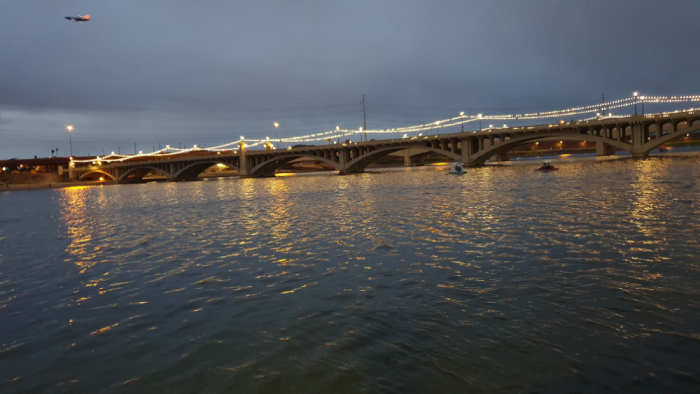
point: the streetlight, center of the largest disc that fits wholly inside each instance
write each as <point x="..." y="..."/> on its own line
<point x="480" y="116"/>
<point x="70" y="139"/>
<point x="277" y="134"/>
<point x="337" y="133"/>
<point x="642" y="98"/>
<point x="635" y="94"/>
<point x="461" y="115"/>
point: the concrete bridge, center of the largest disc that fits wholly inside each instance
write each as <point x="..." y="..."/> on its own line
<point x="632" y="134"/>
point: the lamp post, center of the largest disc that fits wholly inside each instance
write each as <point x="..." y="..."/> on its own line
<point x="480" y="116"/>
<point x="635" y="94"/>
<point x="461" y="115"/>
<point x="642" y="98"/>
<point x="337" y="133"/>
<point x="277" y="134"/>
<point x="70" y="139"/>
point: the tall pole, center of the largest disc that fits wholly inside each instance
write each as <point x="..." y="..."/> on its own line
<point x="603" y="105"/>
<point x="70" y="139"/>
<point x="277" y="134"/>
<point x="364" y="116"/>
<point x="635" y="94"/>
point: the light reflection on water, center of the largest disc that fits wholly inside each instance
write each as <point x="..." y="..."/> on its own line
<point x="502" y="280"/>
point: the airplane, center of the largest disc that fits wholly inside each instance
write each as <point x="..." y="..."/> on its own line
<point x="79" y="18"/>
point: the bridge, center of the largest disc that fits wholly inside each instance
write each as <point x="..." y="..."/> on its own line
<point x="636" y="134"/>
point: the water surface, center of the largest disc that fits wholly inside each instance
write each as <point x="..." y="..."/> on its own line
<point x="504" y="280"/>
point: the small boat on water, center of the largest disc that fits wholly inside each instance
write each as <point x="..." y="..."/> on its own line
<point x="547" y="166"/>
<point x="457" y="168"/>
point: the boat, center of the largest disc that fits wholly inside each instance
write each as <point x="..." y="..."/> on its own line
<point x="457" y="168"/>
<point x="547" y="166"/>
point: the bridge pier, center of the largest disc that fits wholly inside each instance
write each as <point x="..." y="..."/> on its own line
<point x="407" y="162"/>
<point x="244" y="169"/>
<point x="603" y="149"/>
<point x="639" y="138"/>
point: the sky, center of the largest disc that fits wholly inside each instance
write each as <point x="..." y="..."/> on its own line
<point x="206" y="72"/>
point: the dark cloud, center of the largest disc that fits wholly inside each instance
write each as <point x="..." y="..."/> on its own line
<point x="206" y="72"/>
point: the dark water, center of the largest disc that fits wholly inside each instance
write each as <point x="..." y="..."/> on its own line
<point x="503" y="280"/>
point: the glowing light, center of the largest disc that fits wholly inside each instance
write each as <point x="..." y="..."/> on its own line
<point x="102" y="179"/>
<point x="70" y="128"/>
<point x="276" y="126"/>
<point x="635" y="94"/>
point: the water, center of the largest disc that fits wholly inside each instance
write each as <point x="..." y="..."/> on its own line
<point x="504" y="280"/>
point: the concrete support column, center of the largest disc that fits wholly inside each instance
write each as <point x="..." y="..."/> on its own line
<point x="342" y="159"/>
<point x="466" y="150"/>
<point x="407" y="162"/>
<point x="244" y="169"/>
<point x="638" y="137"/>
<point x="603" y="149"/>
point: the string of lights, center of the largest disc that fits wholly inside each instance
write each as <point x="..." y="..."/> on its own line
<point x="339" y="133"/>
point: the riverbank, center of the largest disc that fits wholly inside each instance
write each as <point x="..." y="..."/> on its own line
<point x="55" y="185"/>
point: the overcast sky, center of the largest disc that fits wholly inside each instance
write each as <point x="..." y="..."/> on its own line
<point x="206" y="72"/>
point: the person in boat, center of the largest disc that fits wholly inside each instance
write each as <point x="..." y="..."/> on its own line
<point x="458" y="168"/>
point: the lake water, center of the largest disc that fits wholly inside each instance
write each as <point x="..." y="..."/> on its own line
<point x="504" y="280"/>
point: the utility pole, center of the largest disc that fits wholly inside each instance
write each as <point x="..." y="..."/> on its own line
<point x="364" y="116"/>
<point x="603" y="104"/>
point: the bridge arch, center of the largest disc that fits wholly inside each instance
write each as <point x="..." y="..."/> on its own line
<point x="481" y="156"/>
<point x="136" y="174"/>
<point x="361" y="162"/>
<point x="655" y="143"/>
<point x="92" y="172"/>
<point x="268" y="167"/>
<point x="193" y="170"/>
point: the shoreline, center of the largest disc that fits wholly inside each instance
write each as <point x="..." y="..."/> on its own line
<point x="45" y="186"/>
